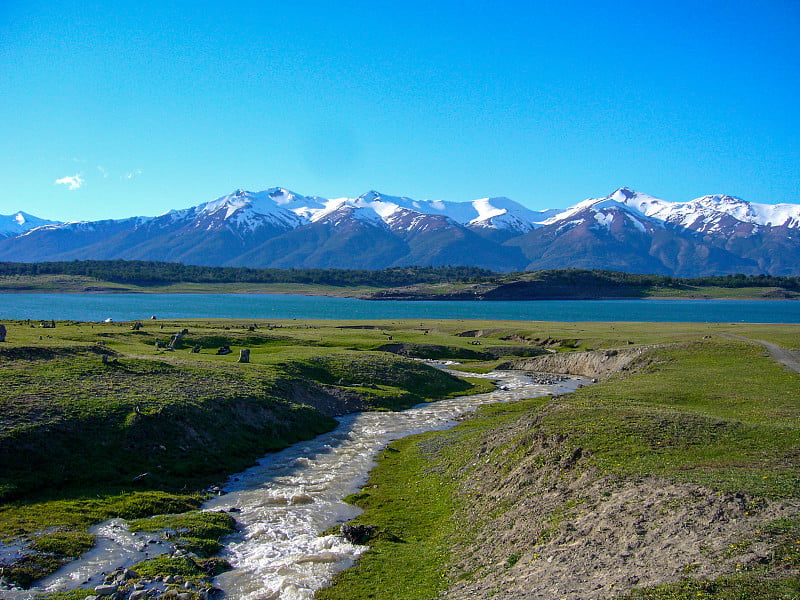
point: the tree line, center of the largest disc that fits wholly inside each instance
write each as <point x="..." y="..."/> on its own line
<point x="152" y="273"/>
<point x="578" y="277"/>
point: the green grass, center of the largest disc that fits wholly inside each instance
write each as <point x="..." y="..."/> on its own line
<point x="713" y="412"/>
<point x="197" y="532"/>
<point x="22" y="518"/>
<point x="717" y="413"/>
<point x="83" y="284"/>
<point x="412" y="497"/>
<point x="411" y="505"/>
<point x="76" y="434"/>
<point x="733" y="587"/>
<point x="82" y="440"/>
<point x="76" y="594"/>
<point x="167" y="565"/>
<point x="66" y="543"/>
<point x="196" y="524"/>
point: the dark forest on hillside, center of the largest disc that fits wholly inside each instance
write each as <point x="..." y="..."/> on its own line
<point x="150" y="273"/>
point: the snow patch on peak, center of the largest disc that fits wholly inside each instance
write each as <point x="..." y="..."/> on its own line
<point x="487" y="210"/>
<point x="370" y="196"/>
<point x="623" y="193"/>
<point x="713" y="213"/>
<point x="775" y="215"/>
<point x="648" y="205"/>
<point x="348" y="211"/>
<point x="246" y="210"/>
<point x="640" y="210"/>
<point x="604" y="219"/>
<point x="503" y="213"/>
<point x="21" y="222"/>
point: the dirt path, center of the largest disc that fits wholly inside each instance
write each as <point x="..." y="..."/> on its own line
<point x="788" y="358"/>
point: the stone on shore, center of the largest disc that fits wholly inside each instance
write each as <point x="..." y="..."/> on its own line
<point x="105" y="590"/>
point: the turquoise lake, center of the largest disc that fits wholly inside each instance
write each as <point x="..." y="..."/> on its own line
<point x="126" y="307"/>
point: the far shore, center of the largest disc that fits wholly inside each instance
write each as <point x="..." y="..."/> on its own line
<point x="71" y="286"/>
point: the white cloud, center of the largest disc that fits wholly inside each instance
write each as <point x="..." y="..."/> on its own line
<point x="103" y="171"/>
<point x="133" y="174"/>
<point x="73" y="182"/>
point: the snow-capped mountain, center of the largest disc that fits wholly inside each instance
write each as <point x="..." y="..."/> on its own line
<point x="20" y="222"/>
<point x="711" y="213"/>
<point x="626" y="230"/>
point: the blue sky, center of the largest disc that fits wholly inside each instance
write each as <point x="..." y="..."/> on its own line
<point x="141" y="107"/>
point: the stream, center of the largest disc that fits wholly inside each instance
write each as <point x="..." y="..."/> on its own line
<point x="284" y="502"/>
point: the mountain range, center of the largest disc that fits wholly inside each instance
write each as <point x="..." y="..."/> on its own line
<point x="624" y="231"/>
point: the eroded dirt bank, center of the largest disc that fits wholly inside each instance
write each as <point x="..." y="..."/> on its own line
<point x="550" y="527"/>
<point x="594" y="363"/>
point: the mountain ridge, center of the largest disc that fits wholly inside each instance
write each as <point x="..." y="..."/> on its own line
<point x="625" y="230"/>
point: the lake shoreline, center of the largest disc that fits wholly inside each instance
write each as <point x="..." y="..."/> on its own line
<point x="123" y="306"/>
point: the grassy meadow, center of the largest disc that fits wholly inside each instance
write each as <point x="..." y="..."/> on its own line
<point x="104" y="420"/>
<point x="698" y="410"/>
<point x="145" y="430"/>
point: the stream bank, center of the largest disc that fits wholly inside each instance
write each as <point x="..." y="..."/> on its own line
<point x="284" y="502"/>
<point x="676" y="481"/>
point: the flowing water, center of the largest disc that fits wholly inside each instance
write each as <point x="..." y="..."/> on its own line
<point x="292" y="496"/>
<point x="289" y="498"/>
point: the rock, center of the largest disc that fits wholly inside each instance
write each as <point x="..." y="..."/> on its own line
<point x="138" y="595"/>
<point x="244" y="355"/>
<point x="175" y="340"/>
<point x="301" y="499"/>
<point x="90" y="598"/>
<point x="2" y="333"/>
<point x="196" y="349"/>
<point x="358" y="534"/>
<point x="106" y="590"/>
<point x="224" y="350"/>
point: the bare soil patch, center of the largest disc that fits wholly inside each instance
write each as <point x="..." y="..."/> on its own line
<point x="549" y="527"/>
